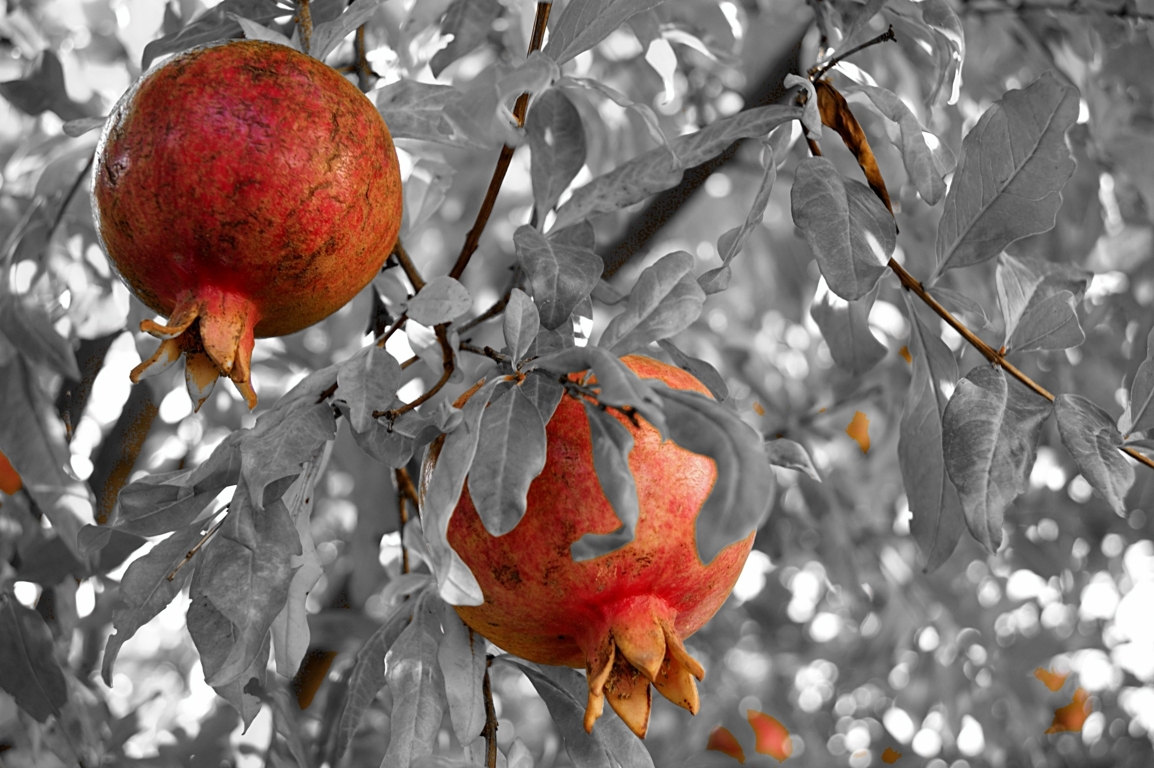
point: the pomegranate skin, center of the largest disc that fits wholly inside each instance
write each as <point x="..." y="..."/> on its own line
<point x="543" y="606"/>
<point x="251" y="181"/>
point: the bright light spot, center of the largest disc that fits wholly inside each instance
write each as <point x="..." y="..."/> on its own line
<point x="1139" y="704"/>
<point x="1047" y="471"/>
<point x="749" y="665"/>
<point x="894" y="566"/>
<point x="176" y="405"/>
<point x="26" y="592"/>
<point x="858" y="737"/>
<point x="825" y="627"/>
<point x="971" y="739"/>
<point x="927" y="743"/>
<point x="928" y="639"/>
<point x="1095" y="671"/>
<point x="899" y="723"/>
<point x="82" y="466"/>
<point x="250" y="744"/>
<point x="1112" y="545"/>
<point x="1099" y="598"/>
<point x="752" y="579"/>
<point x="1083" y="111"/>
<point x="718" y="185"/>
<point x="664" y="61"/>
<point x="729" y="10"/>
<point x="85" y="598"/>
<point x="1024" y="584"/>
<point x="888" y="318"/>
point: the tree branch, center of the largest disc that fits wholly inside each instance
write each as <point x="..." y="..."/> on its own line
<point x="819" y="72"/>
<point x="406" y="494"/>
<point x="304" y="23"/>
<point x="473" y="239"/>
<point x="407" y="265"/>
<point x="490" y="730"/>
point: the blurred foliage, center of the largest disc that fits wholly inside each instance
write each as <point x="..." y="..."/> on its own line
<point x="834" y="630"/>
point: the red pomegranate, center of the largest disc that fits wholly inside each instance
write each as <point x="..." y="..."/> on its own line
<point x="623" y="615"/>
<point x="243" y="189"/>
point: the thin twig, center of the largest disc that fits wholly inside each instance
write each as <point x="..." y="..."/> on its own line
<point x="498" y="307"/>
<point x="819" y="72"/>
<point x="192" y="552"/>
<point x="473" y="239"/>
<point x="400" y="321"/>
<point x="304" y="23"/>
<point x="59" y="218"/>
<point x="486" y="351"/>
<point x="410" y="362"/>
<point x="490" y="730"/>
<point x="362" y="68"/>
<point x="406" y="494"/>
<point x="408" y="266"/>
<point x="446" y="374"/>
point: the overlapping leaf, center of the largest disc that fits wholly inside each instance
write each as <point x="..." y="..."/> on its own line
<point x="557" y="147"/>
<point x="510" y="453"/>
<point x="521" y="323"/>
<point x="561" y="275"/>
<point x="584" y="23"/>
<point x="1052" y="323"/>
<point x="731" y="242"/>
<point x="791" y="455"/>
<point x="1008" y="183"/>
<point x="1025" y="281"/>
<point x="612" y="443"/>
<point x="29" y="329"/>
<point x="989" y="433"/>
<point x="413" y="675"/>
<point x="665" y="301"/>
<point x="461" y="656"/>
<point x="701" y="370"/>
<point x="368" y="382"/>
<point x="1142" y="392"/>
<point x="615" y="383"/>
<point x="282" y="442"/>
<point x="440" y="300"/>
<point x="214" y="24"/>
<point x="849" y="231"/>
<point x="845" y="327"/>
<point x="1090" y="436"/>
<point x="32" y="675"/>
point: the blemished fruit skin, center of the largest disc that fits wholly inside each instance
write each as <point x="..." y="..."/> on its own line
<point x="244" y="190"/>
<point x="622" y="615"/>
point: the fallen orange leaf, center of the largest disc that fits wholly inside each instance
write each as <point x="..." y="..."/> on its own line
<point x="1072" y="716"/>
<point x="759" y="409"/>
<point x="772" y="737"/>
<point x="905" y="353"/>
<point x="859" y="430"/>
<point x="835" y="113"/>
<point x="891" y="755"/>
<point x="1052" y="680"/>
<point x="722" y="740"/>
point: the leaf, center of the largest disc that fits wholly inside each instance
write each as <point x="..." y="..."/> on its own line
<point x="644" y="111"/>
<point x="42" y="90"/>
<point x="290" y="628"/>
<point x="30" y="331"/>
<point x="742" y="494"/>
<point x="469" y="22"/>
<point x="1090" y="436"/>
<point x="846" y="330"/>
<point x="328" y="35"/>
<point x="658" y="169"/>
<point x="1023" y="282"/>
<point x="27" y="655"/>
<point x="850" y="233"/>
<point x="521" y="324"/>
<point x="245" y="693"/>
<point x="665" y="301"/>
<point x="450" y="465"/>
<point x="544" y="392"/>
<point x="145" y="590"/>
<point x="584" y="23"/>
<point x="368" y="382"/>
<point x="556" y="145"/>
<point x="560" y="275"/>
<point x="416" y="110"/>
<point x="1142" y="392"/>
<point x="616" y="384"/>
<point x="989" y="433"/>
<point x="414" y="678"/>
<point x="791" y="455"/>
<point x="463" y="664"/>
<point x="937" y="521"/>
<point x="916" y="154"/>
<point x="282" y="442"/>
<point x="1008" y="183"/>
<point x="510" y="453"/>
<point x="835" y="113"/>
<point x="731" y="242"/>
<point x="441" y="299"/>
<point x="960" y="304"/>
<point x="243" y="575"/>
<point x="254" y="31"/>
<point x="701" y="370"/>
<point x="612" y="443"/>
<point x="212" y="25"/>
<point x="810" y="116"/>
<point x="1051" y="324"/>
<point x="367" y="677"/>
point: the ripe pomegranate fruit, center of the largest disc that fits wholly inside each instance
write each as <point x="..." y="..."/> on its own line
<point x="243" y="189"/>
<point x="623" y="615"/>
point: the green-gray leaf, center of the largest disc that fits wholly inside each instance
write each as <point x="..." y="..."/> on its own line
<point x="368" y="382"/>
<point x="1008" y="183"/>
<point x="560" y="275"/>
<point x="30" y="330"/>
<point x="701" y="370"/>
<point x="612" y="443"/>
<point x="463" y="664"/>
<point x="845" y="327"/>
<point x="1090" y="436"/>
<point x="414" y="678"/>
<point x="521" y="324"/>
<point x="848" y="229"/>
<point x="791" y="455"/>
<point x="989" y="434"/>
<point x="616" y="384"/>
<point x="557" y="147"/>
<point x="31" y="674"/>
<point x="440" y="300"/>
<point x="665" y="301"/>
<point x="1052" y="323"/>
<point x="469" y="22"/>
<point x="584" y="23"/>
<point x="282" y="442"/>
<point x="510" y="453"/>
<point x="1142" y="392"/>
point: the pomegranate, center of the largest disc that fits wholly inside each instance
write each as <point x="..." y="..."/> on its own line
<point x="622" y="615"/>
<point x="243" y="189"/>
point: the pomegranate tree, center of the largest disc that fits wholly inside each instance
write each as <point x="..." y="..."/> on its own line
<point x="243" y="189"/>
<point x="622" y="616"/>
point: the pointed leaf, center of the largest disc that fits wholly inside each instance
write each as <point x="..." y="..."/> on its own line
<point x="368" y="381"/>
<point x="510" y="453"/>
<point x="416" y="110"/>
<point x="30" y="330"/>
<point x="521" y="324"/>
<point x="845" y="327"/>
<point x="145" y="590"/>
<point x="1142" y="392"/>
<point x="989" y="433"/>
<point x="836" y="113"/>
<point x="1008" y="183"/>
<point x="392" y="444"/>
<point x="1025" y="281"/>
<point x="616" y="384"/>
<point x="1090" y="436"/>
<point x="328" y="35"/>
<point x="791" y="455"/>
<point x="254" y="31"/>
<point x="43" y="91"/>
<point x="665" y="301"/>
<point x="282" y="442"/>
<point x="246" y="691"/>
<point x="701" y="370"/>
<point x="960" y="304"/>
<point x="937" y="521"/>
<point x="441" y="299"/>
<point x="414" y="678"/>
<point x="214" y="24"/>
<point x="560" y="275"/>
<point x="545" y="393"/>
<point x="612" y="443"/>
<point x="731" y="243"/>
<point x="27" y="655"/>
<point x="742" y="494"/>
<point x="469" y="22"/>
<point x="557" y="145"/>
<point x="1050" y="324"/>
<point x="566" y="703"/>
<point x="584" y="23"/>
<point x="463" y="664"/>
<point x="849" y="231"/>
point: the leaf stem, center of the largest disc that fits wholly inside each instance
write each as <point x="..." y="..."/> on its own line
<point x="490" y="730"/>
<point x="487" y="351"/>
<point x="819" y="72"/>
<point x="192" y="552"/>
<point x="362" y="68"/>
<point x="305" y="23"/>
<point x="473" y="239"/>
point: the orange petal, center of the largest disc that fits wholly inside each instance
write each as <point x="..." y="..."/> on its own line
<point x="1072" y="716"/>
<point x="675" y="681"/>
<point x="165" y="355"/>
<point x="905" y="353"/>
<point x="1052" y="680"/>
<point x="772" y="737"/>
<point x="721" y="740"/>
<point x="200" y="375"/>
<point x="187" y="309"/>
<point x="641" y="640"/>
<point x="629" y="694"/>
<point x="890" y="755"/>
<point x="10" y="482"/>
<point x="859" y="430"/>
<point x="598" y="667"/>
